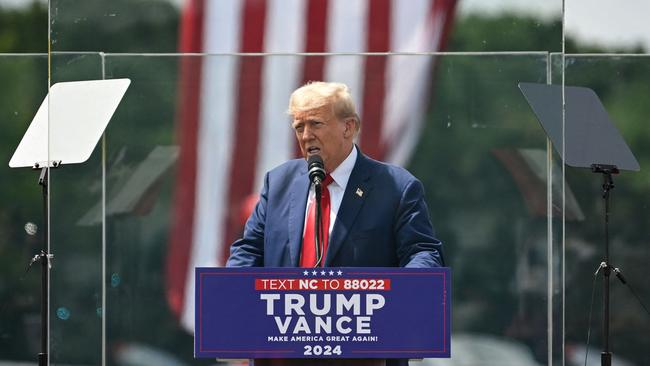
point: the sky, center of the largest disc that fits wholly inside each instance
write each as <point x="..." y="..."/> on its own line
<point x="605" y="23"/>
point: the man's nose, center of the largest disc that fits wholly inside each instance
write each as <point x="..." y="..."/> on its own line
<point x="306" y="134"/>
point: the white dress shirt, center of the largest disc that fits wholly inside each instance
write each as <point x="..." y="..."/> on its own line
<point x="340" y="177"/>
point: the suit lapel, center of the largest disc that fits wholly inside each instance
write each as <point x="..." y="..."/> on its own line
<point x="298" y="203"/>
<point x="356" y="192"/>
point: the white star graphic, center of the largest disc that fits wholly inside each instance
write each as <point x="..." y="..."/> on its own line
<point x="331" y="273"/>
<point x="306" y="273"/>
<point x="314" y="273"/>
<point x="339" y="272"/>
<point x="322" y="273"/>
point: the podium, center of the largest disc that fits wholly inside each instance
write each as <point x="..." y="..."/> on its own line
<point x="352" y="315"/>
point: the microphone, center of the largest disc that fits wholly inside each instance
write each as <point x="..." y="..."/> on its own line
<point x="316" y="175"/>
<point x="316" y="169"/>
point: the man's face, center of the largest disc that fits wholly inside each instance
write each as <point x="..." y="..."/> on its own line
<point x="319" y="132"/>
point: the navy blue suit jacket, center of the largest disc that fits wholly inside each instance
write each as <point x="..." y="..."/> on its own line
<point x="387" y="225"/>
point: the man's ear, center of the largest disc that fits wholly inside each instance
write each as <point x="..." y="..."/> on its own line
<point x="350" y="127"/>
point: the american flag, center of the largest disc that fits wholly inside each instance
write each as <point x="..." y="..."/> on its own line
<point x="232" y="121"/>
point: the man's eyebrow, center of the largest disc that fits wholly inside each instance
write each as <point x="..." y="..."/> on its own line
<point x="312" y="119"/>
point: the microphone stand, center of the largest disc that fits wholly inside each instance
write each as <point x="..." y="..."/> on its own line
<point x="318" y="225"/>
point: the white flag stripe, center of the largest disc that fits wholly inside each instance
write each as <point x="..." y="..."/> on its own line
<point x="214" y="142"/>
<point x="285" y="26"/>
<point x="406" y="21"/>
<point x="346" y="28"/>
<point x="403" y="103"/>
<point x="276" y="136"/>
<point x="406" y="111"/>
<point x="346" y="25"/>
<point x="284" y="33"/>
<point x="221" y="26"/>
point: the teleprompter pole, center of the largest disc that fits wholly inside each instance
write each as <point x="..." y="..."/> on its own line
<point x="45" y="257"/>
<point x="608" y="186"/>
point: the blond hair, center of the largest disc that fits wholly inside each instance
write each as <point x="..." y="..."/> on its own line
<point x="317" y="94"/>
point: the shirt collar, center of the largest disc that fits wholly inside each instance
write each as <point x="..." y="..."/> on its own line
<point x="341" y="175"/>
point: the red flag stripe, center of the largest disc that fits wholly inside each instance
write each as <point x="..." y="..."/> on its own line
<point x="242" y="172"/>
<point x="446" y="8"/>
<point x="316" y="40"/>
<point x="191" y="40"/>
<point x="374" y="86"/>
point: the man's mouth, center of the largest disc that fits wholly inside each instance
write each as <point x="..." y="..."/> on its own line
<point x="313" y="150"/>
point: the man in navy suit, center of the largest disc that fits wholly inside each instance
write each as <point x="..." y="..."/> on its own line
<point x="378" y="216"/>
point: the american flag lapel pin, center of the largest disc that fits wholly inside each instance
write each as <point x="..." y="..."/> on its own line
<point x="359" y="192"/>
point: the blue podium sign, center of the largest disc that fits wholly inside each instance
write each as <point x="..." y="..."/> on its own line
<point x="322" y="313"/>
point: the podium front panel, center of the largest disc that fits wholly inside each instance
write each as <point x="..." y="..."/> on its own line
<point x="322" y="313"/>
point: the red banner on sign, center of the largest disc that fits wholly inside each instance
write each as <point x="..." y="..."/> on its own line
<point x="324" y="284"/>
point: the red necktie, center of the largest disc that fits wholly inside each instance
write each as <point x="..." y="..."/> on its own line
<point x="308" y="257"/>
